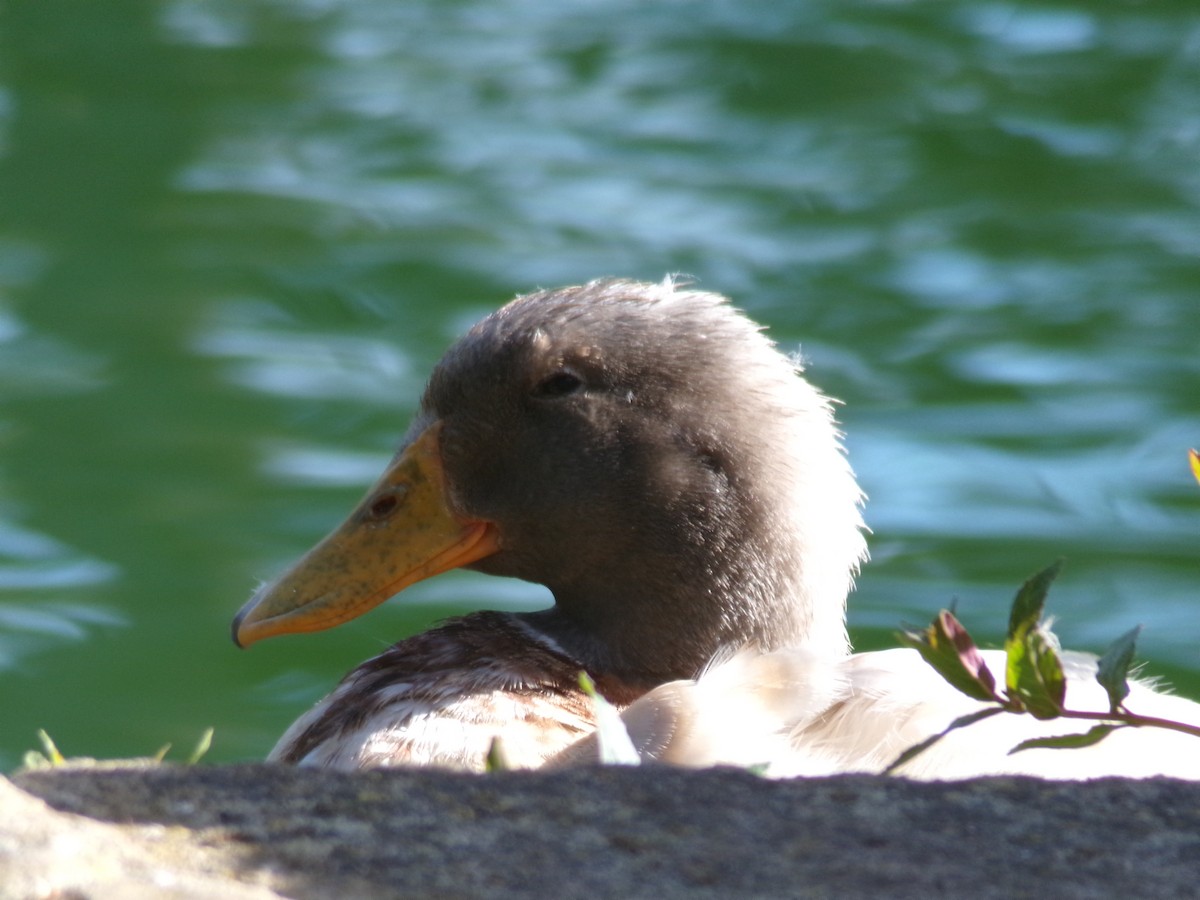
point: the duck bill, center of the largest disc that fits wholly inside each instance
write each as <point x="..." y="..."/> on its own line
<point x="403" y="531"/>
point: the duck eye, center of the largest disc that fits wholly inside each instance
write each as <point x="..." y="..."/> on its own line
<point x="559" y="384"/>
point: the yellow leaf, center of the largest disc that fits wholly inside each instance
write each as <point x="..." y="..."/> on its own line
<point x="1194" y="458"/>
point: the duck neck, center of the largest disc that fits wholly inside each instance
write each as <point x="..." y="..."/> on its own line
<point x="646" y="628"/>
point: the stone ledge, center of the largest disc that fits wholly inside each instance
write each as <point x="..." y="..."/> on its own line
<point x="258" y="831"/>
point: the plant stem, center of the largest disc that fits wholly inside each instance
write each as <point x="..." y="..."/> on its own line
<point x="1128" y="718"/>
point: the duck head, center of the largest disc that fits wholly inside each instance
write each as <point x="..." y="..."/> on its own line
<point x="642" y="450"/>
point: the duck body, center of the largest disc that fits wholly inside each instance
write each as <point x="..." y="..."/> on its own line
<point x="644" y="452"/>
<point x="791" y="713"/>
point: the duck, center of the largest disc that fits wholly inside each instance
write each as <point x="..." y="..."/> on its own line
<point x="645" y="452"/>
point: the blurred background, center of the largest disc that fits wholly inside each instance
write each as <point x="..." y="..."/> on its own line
<point x="236" y="234"/>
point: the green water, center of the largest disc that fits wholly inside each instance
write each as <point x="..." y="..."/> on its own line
<point x="235" y="235"/>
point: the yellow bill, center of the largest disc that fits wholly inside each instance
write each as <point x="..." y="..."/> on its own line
<point x="401" y="533"/>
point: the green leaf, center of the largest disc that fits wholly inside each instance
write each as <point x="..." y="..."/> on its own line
<point x="947" y="646"/>
<point x="1094" y="735"/>
<point x="1033" y="671"/>
<point x="1031" y="600"/>
<point x="1112" y="671"/>
<point x="611" y="735"/>
<point x="961" y="722"/>
<point x="1034" y="674"/>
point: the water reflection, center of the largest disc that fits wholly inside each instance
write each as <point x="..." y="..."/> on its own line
<point x="308" y="365"/>
<point x="328" y="466"/>
<point x="33" y="363"/>
<point x="36" y="572"/>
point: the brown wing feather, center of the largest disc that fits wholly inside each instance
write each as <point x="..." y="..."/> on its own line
<point x="441" y="697"/>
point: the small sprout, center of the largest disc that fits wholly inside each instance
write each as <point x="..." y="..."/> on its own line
<point x="50" y="751"/>
<point x="50" y="756"/>
<point x="47" y="758"/>
<point x="497" y="758"/>
<point x="612" y="737"/>
<point x="32" y="761"/>
<point x="202" y="747"/>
